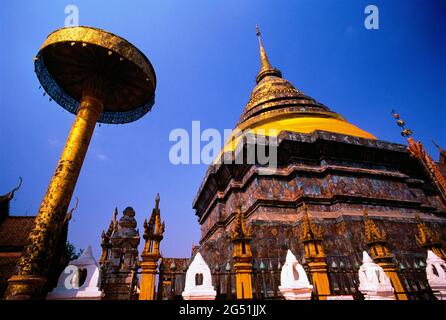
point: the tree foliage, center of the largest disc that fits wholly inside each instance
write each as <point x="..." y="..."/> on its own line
<point x="71" y="251"/>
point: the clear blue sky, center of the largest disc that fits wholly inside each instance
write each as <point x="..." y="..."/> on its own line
<point x="205" y="54"/>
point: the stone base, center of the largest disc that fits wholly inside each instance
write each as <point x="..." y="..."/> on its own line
<point x="296" y="293"/>
<point x="75" y="295"/>
<point x="378" y="295"/>
<point x="202" y="295"/>
<point x="191" y="297"/>
<point x="439" y="291"/>
<point x="25" y="287"/>
<point x="440" y="295"/>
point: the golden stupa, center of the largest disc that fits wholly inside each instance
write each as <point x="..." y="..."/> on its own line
<point x="275" y="105"/>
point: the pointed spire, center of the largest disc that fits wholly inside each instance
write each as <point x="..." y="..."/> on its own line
<point x="115" y="214"/>
<point x="265" y="67"/>
<point x="157" y="201"/>
<point x="366" y="258"/>
<point x="432" y="257"/>
<point x="290" y="257"/>
<point x="114" y="222"/>
<point x="154" y="227"/>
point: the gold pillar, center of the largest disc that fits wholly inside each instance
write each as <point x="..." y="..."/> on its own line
<point x="153" y="234"/>
<point x="391" y="269"/>
<point x="148" y="274"/>
<point x="377" y="242"/>
<point x="242" y="257"/>
<point x="42" y="241"/>
<point x="311" y="237"/>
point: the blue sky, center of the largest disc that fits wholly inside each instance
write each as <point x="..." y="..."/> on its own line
<point x="205" y="55"/>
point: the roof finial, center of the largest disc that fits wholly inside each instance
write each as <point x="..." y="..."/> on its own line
<point x="436" y="145"/>
<point x="69" y="214"/>
<point x="405" y="132"/>
<point x="266" y="68"/>
<point x="10" y="194"/>
<point x="442" y="152"/>
<point x="157" y="201"/>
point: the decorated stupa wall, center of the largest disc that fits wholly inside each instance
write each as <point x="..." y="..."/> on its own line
<point x="385" y="181"/>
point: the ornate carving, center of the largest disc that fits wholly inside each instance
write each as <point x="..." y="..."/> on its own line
<point x="310" y="231"/>
<point x="417" y="150"/>
<point x="66" y="42"/>
<point x="105" y="239"/>
<point x="426" y="237"/>
<point x="154" y="229"/>
<point x="372" y="234"/>
<point x="240" y="231"/>
<point x="429" y="239"/>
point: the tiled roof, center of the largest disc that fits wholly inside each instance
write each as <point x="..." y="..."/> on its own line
<point x="7" y="266"/>
<point x="181" y="263"/>
<point x="14" y="231"/>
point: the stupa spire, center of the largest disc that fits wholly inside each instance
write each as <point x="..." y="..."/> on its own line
<point x="265" y="65"/>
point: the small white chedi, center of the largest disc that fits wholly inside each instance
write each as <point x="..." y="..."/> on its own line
<point x="373" y="281"/>
<point x="294" y="284"/>
<point x="436" y="275"/>
<point x="79" y="280"/>
<point x="198" y="281"/>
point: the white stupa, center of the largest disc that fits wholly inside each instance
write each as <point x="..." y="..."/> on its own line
<point x="198" y="281"/>
<point x="294" y="284"/>
<point x="79" y="280"/>
<point x="436" y="275"/>
<point x="373" y="281"/>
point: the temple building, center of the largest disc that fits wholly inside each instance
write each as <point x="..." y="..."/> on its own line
<point x="332" y="203"/>
<point x="119" y="259"/>
<point x="14" y="231"/>
<point x="337" y="190"/>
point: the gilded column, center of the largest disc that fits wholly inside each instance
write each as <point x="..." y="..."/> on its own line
<point x="36" y="257"/>
<point x="377" y="243"/>
<point x="311" y="237"/>
<point x="153" y="234"/>
<point x="242" y="256"/>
